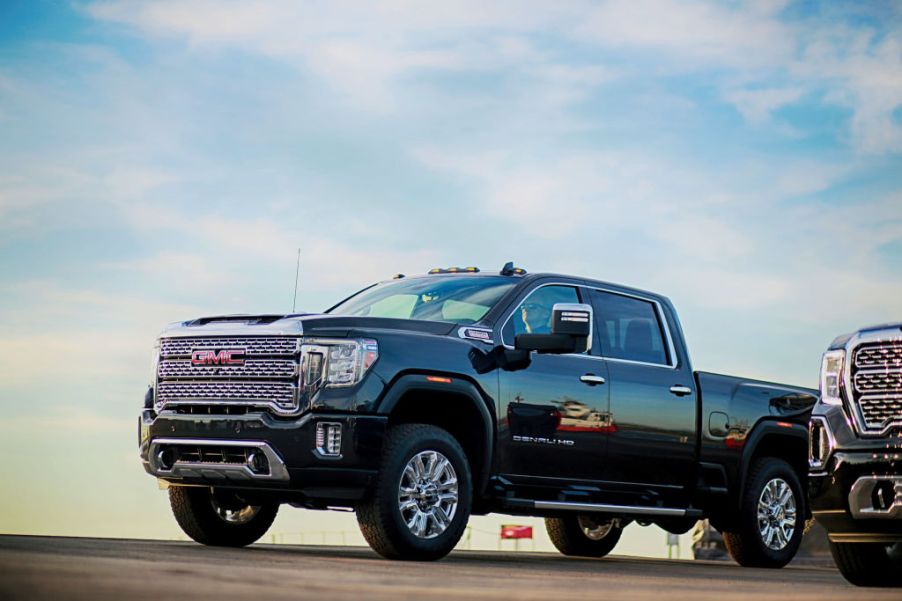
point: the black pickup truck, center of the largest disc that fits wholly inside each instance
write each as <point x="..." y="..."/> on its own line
<point x="856" y="454"/>
<point x="422" y="400"/>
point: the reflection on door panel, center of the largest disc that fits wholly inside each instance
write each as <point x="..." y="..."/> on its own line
<point x="567" y="415"/>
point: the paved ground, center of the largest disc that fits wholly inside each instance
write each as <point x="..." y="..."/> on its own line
<point x="97" y="569"/>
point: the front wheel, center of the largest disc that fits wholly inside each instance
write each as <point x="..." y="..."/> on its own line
<point x="771" y="517"/>
<point x="869" y="564"/>
<point x="584" y="535"/>
<point x="219" y="519"/>
<point x="420" y="504"/>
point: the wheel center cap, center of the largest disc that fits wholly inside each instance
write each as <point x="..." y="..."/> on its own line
<point x="427" y="494"/>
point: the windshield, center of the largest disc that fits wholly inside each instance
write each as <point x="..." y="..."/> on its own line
<point x="459" y="299"/>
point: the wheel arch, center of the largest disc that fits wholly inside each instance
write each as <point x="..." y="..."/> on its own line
<point x="780" y="439"/>
<point x="453" y="403"/>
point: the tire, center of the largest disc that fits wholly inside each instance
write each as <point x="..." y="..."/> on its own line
<point x="746" y="543"/>
<point x="217" y="519"/>
<point x="869" y="564"/>
<point x="583" y="536"/>
<point x="418" y="531"/>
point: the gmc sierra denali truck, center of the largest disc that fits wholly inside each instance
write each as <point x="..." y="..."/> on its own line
<point x="855" y="457"/>
<point x="419" y="401"/>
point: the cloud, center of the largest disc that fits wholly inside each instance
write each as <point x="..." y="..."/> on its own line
<point x="757" y="105"/>
<point x="368" y="53"/>
<point x="693" y="35"/>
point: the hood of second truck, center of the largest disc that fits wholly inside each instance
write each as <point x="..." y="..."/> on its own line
<point x="303" y="324"/>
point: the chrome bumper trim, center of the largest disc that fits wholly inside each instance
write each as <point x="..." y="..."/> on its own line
<point x="861" y="505"/>
<point x="228" y="472"/>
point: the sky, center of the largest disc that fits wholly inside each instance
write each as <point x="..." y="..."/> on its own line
<point x="165" y="160"/>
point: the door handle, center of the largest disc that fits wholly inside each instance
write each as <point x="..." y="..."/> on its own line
<point x="680" y="390"/>
<point x="591" y="379"/>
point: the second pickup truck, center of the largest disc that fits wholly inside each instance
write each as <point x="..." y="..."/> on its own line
<point x="422" y="400"/>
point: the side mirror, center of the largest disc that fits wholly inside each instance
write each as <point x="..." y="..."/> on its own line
<point x="571" y="331"/>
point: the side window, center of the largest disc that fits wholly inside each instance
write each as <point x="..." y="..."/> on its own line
<point x="533" y="315"/>
<point x="629" y="328"/>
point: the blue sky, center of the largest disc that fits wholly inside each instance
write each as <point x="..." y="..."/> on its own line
<point x="163" y="160"/>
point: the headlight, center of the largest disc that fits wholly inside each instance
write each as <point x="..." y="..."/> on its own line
<point x="154" y="363"/>
<point x="337" y="363"/>
<point x="831" y="377"/>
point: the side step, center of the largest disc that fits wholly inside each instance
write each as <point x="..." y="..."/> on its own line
<point x="602" y="508"/>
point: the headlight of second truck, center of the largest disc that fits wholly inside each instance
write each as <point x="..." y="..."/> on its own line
<point x="831" y="377"/>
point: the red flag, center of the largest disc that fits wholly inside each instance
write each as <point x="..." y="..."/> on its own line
<point x="514" y="532"/>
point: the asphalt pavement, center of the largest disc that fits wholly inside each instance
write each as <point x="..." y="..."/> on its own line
<point x="57" y="568"/>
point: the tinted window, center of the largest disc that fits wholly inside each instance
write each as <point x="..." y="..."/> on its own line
<point x="628" y="328"/>
<point x="533" y="315"/>
<point x="459" y="298"/>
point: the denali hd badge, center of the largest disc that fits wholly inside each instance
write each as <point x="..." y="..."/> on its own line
<point x="223" y="357"/>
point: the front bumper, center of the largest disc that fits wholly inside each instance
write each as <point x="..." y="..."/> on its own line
<point x="843" y="497"/>
<point x="292" y="466"/>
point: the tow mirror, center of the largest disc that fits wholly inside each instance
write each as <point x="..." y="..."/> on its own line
<point x="571" y="331"/>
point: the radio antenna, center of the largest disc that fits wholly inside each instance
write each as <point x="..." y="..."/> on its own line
<point x="297" y="272"/>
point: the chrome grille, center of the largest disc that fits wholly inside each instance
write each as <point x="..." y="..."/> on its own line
<point x="878" y="410"/>
<point x="876" y="378"/>
<point x="252" y="346"/>
<point x="259" y="368"/>
<point x="283" y="393"/>
<point x="266" y="379"/>
<point x="882" y="355"/>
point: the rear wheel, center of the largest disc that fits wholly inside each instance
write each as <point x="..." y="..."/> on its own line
<point x="771" y="517"/>
<point x="219" y="519"/>
<point x="420" y="504"/>
<point x="584" y="535"/>
<point x="869" y="564"/>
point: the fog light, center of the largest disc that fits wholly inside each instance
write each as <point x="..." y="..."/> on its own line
<point x="328" y="439"/>
<point x="165" y="459"/>
<point x="884" y="495"/>
<point x="258" y="463"/>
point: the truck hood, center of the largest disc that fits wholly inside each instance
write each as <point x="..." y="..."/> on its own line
<point x="299" y="324"/>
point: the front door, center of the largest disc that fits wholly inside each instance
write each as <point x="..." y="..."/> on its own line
<point x="553" y="415"/>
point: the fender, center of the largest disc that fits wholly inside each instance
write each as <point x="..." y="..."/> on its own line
<point x="762" y="429"/>
<point x="457" y="385"/>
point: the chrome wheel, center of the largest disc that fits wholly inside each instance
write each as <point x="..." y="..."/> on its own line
<point x="239" y="516"/>
<point x="593" y="528"/>
<point x="776" y="514"/>
<point x="427" y="494"/>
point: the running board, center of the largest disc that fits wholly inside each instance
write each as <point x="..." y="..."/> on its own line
<point x="604" y="508"/>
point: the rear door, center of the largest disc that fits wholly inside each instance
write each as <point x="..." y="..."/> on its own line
<point x="553" y="415"/>
<point x="652" y="399"/>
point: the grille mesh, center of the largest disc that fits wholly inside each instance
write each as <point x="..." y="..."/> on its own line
<point x="261" y="368"/>
<point x="282" y="393"/>
<point x="877" y="383"/>
<point x="253" y="346"/>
